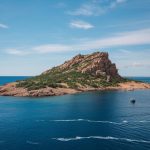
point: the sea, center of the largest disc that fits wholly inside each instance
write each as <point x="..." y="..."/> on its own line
<point x="103" y="120"/>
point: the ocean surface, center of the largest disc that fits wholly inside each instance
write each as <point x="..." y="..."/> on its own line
<point x="86" y="121"/>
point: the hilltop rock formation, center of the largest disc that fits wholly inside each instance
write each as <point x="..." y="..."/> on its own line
<point x="82" y="73"/>
<point x="97" y="64"/>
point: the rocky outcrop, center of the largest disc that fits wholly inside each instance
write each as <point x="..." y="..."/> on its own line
<point x="97" y="64"/>
<point x="11" y="90"/>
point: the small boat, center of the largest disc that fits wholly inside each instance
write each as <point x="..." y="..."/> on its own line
<point x="133" y="101"/>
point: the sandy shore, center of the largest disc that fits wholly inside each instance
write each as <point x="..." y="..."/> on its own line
<point x="11" y="90"/>
<point x="132" y="85"/>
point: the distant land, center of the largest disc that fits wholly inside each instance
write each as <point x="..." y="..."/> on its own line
<point x="82" y="73"/>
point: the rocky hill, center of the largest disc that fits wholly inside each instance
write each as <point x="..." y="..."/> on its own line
<point x="96" y="64"/>
<point x="82" y="73"/>
<point x="94" y="70"/>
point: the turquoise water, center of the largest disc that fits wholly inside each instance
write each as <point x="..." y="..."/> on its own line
<point x="91" y="121"/>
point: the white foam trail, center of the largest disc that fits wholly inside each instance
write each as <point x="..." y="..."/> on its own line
<point x="86" y="120"/>
<point x="96" y="121"/>
<point x="105" y="122"/>
<point x="101" y="138"/>
<point x="142" y="121"/>
<point x="31" y="142"/>
<point x="125" y="121"/>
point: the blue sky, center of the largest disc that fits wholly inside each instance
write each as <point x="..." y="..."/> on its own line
<point x="38" y="34"/>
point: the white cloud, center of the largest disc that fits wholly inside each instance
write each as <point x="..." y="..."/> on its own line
<point x="81" y="25"/>
<point x="131" y="60"/>
<point x="137" y="65"/>
<point x="124" y="51"/>
<point x="137" y="37"/>
<point x="95" y="8"/>
<point x="3" y="26"/>
<point x="51" y="48"/>
<point x="116" y="3"/>
<point x="17" y="52"/>
<point x="88" y="10"/>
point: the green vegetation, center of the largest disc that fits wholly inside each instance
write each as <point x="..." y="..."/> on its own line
<point x="72" y="78"/>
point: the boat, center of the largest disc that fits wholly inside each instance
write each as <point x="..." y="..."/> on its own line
<point x="133" y="101"/>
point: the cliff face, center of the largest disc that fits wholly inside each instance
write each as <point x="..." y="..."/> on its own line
<point x="97" y="64"/>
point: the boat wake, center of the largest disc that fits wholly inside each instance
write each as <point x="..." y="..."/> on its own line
<point x="100" y="138"/>
<point x="97" y="121"/>
<point x="91" y="121"/>
<point x="142" y="121"/>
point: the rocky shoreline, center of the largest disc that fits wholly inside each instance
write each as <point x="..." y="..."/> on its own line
<point x="11" y="89"/>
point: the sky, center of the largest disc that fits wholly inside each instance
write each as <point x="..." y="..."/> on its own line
<point x="36" y="35"/>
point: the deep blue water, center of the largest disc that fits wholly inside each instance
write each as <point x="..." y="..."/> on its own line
<point x="5" y="80"/>
<point x="91" y="121"/>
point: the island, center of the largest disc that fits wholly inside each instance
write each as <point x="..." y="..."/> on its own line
<point x="82" y="73"/>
